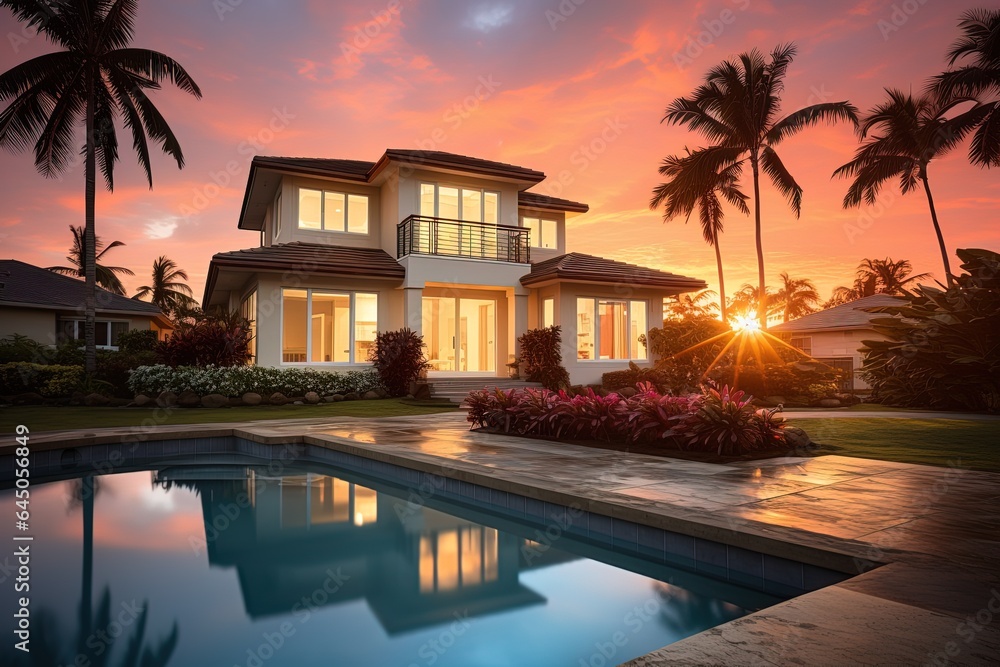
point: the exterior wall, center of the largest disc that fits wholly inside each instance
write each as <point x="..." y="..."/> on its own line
<point x="589" y="371"/>
<point x="840" y="345"/>
<point x="35" y="323"/>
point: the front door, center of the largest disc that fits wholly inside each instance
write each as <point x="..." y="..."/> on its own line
<point x="460" y="334"/>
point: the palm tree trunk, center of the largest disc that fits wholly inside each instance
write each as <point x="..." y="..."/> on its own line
<point x="762" y="290"/>
<point x="722" y="283"/>
<point x="89" y="237"/>
<point x="87" y="585"/>
<point x="937" y="230"/>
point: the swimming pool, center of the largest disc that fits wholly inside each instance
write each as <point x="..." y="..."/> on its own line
<point x="224" y="559"/>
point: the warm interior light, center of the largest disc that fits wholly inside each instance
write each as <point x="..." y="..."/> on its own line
<point x="745" y="323"/>
<point x="359" y="519"/>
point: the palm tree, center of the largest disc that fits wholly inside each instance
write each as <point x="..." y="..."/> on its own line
<point x="166" y="289"/>
<point x="796" y="297"/>
<point x="979" y="47"/>
<point x="737" y="109"/>
<point x="911" y="133"/>
<point x="683" y="192"/>
<point x="747" y="300"/>
<point x="878" y="276"/>
<point x="107" y="276"/>
<point x="95" y="78"/>
<point x="692" y="305"/>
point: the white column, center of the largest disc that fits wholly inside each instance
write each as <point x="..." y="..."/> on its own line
<point x="413" y="309"/>
<point x="519" y="321"/>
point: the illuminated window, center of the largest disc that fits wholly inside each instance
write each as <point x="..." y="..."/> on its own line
<point x="548" y="312"/>
<point x="543" y="232"/>
<point x="333" y="211"/>
<point x="609" y="329"/>
<point x="365" y="506"/>
<point x="327" y="327"/>
<point x="248" y="311"/>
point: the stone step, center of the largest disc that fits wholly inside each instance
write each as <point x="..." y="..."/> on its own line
<point x="456" y="389"/>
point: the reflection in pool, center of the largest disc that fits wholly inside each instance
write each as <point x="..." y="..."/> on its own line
<point x="226" y="565"/>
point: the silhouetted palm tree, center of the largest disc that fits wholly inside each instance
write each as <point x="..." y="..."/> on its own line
<point x="107" y="276"/>
<point x="693" y="304"/>
<point x="95" y="78"/>
<point x="979" y="49"/>
<point x="738" y="110"/>
<point x="747" y="299"/>
<point x="911" y="132"/>
<point x="166" y="289"/>
<point x="878" y="276"/>
<point x="796" y="297"/>
<point x="684" y="192"/>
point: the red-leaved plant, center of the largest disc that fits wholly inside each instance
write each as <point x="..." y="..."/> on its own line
<point x="726" y="422"/>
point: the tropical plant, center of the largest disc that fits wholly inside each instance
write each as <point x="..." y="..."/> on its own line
<point x="796" y="297"/>
<point x="218" y="339"/>
<point x="541" y="357"/>
<point x="910" y="133"/>
<point x="95" y="77"/>
<point x="726" y="422"/>
<point x="979" y="49"/>
<point x="137" y="341"/>
<point x="737" y="108"/>
<point x="167" y="291"/>
<point x="693" y="305"/>
<point x="878" y="276"/>
<point x="399" y="358"/>
<point x="685" y="191"/>
<point x="942" y="347"/>
<point x="238" y="380"/>
<point x="107" y="276"/>
<point x="747" y="300"/>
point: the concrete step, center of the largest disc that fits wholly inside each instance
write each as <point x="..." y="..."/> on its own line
<point x="456" y="389"/>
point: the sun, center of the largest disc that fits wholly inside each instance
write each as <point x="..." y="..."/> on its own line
<point x="745" y="323"/>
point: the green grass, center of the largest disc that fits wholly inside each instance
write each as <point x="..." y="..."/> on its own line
<point x="38" y="418"/>
<point x="973" y="443"/>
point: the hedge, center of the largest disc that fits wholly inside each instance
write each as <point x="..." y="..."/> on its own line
<point x="238" y="380"/>
<point x="19" y="377"/>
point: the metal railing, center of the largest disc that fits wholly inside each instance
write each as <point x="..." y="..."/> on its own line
<point x="424" y="235"/>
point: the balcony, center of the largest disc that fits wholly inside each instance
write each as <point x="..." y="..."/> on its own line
<point x="423" y="235"/>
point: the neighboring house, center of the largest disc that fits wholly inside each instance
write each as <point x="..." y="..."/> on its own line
<point x="834" y="335"/>
<point x="49" y="308"/>
<point x="450" y="246"/>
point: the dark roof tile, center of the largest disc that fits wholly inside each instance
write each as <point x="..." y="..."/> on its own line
<point x="34" y="286"/>
<point x="844" y="316"/>
<point x="580" y="267"/>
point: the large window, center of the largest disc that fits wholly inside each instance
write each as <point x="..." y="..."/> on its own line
<point x="105" y="333"/>
<point x="466" y="204"/>
<point x="543" y="232"/>
<point x="610" y="329"/>
<point x="248" y="311"/>
<point x="327" y="326"/>
<point x="324" y="210"/>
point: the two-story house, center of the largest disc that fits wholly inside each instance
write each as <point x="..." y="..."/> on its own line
<point x="456" y="248"/>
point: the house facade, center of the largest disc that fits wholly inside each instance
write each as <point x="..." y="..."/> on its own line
<point x="49" y="308"/>
<point x="456" y="248"/>
<point x="834" y="336"/>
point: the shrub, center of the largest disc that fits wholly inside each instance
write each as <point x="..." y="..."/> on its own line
<point x="114" y="368"/>
<point x="541" y="357"/>
<point x="212" y="340"/>
<point x="48" y="380"/>
<point x="802" y="378"/>
<point x="238" y="380"/>
<point x="20" y="348"/>
<point x="398" y="356"/>
<point x="719" y="421"/>
<point x="683" y="352"/>
<point x="137" y="341"/>
<point x="942" y="348"/>
<point x="615" y="380"/>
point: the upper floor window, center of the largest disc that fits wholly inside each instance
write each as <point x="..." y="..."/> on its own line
<point x="454" y="203"/>
<point x="543" y="232"/>
<point x="329" y="211"/>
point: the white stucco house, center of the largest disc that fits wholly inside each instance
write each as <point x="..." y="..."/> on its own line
<point x="456" y="248"/>
<point x="834" y="335"/>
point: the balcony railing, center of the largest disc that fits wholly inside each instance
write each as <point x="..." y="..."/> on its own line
<point x="423" y="235"/>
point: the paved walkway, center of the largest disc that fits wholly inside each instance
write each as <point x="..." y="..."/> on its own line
<point x="888" y="414"/>
<point x="935" y="599"/>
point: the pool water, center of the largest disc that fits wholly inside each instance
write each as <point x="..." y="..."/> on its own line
<point x="227" y="565"/>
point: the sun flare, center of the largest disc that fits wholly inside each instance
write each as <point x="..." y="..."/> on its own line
<point x="745" y="323"/>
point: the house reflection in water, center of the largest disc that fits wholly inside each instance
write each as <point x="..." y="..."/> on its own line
<point x="415" y="566"/>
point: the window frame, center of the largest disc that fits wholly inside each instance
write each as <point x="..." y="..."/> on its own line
<point x="437" y="185"/>
<point x="79" y="333"/>
<point x="276" y="217"/>
<point x="807" y="349"/>
<point x="346" y="229"/>
<point x="546" y="300"/>
<point x="596" y="332"/>
<point x="307" y="323"/>
<point x="535" y="243"/>
<point x="246" y="310"/>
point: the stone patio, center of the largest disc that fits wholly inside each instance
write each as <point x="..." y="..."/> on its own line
<point x="923" y="541"/>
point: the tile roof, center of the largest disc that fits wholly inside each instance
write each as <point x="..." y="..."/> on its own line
<point x="308" y="259"/>
<point x="34" y="286"/>
<point x="578" y="266"/>
<point x="352" y="169"/>
<point x="844" y="316"/>
<point x="538" y="200"/>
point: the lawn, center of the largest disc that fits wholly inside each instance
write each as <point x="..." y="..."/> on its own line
<point x="59" y="418"/>
<point x="973" y="443"/>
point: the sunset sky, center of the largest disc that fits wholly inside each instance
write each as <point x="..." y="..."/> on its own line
<point x="577" y="87"/>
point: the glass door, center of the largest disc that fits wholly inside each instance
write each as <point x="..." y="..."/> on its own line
<point x="459" y="334"/>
